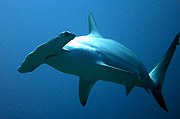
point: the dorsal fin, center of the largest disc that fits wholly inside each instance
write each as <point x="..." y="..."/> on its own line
<point x="93" y="30"/>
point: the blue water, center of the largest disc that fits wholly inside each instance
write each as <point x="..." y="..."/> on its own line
<point x="145" y="27"/>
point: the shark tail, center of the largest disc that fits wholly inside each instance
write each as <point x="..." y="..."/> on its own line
<point x="158" y="73"/>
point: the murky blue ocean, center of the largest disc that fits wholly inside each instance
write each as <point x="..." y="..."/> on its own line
<point x="145" y="27"/>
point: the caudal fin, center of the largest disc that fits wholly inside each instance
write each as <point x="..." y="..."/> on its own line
<point x="159" y="98"/>
<point x="158" y="73"/>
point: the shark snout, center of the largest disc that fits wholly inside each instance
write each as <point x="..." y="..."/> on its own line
<point x="22" y="69"/>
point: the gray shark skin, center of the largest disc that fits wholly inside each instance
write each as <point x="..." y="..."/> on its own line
<point x="93" y="57"/>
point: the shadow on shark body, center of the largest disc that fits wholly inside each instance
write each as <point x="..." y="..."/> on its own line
<point x="93" y="57"/>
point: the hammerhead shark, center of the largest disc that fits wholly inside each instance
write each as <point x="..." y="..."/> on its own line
<point x="93" y="57"/>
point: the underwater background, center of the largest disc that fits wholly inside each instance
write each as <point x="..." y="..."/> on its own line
<point x="147" y="27"/>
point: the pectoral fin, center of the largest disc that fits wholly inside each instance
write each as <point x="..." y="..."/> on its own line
<point x="85" y="85"/>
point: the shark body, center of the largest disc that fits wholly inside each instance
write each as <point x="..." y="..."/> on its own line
<point x="93" y="57"/>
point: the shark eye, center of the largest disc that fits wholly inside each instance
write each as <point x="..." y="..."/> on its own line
<point x="66" y="34"/>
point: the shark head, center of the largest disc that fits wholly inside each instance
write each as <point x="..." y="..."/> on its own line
<point x="42" y="52"/>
